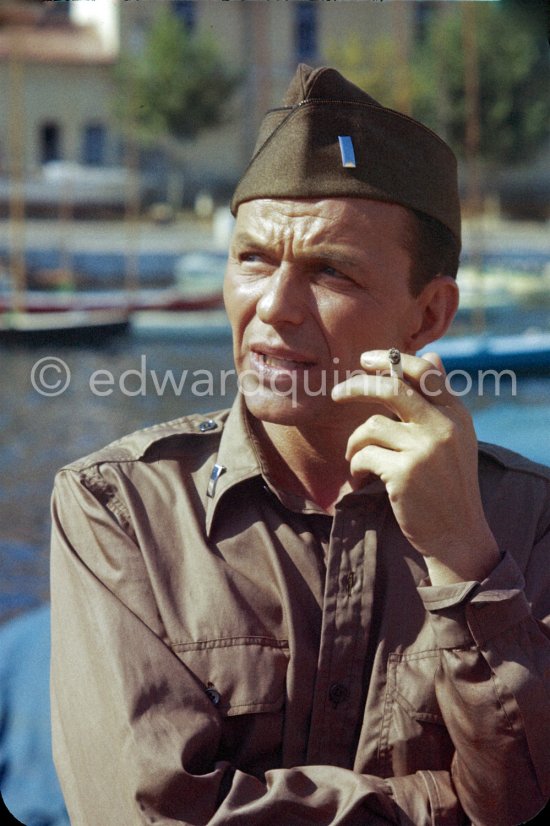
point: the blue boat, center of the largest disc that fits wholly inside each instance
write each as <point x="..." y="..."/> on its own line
<point x="527" y="352"/>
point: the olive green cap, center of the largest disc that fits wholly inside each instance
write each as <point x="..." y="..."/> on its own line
<point x="325" y="122"/>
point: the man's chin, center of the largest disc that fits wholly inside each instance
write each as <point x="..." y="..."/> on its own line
<point x="283" y="410"/>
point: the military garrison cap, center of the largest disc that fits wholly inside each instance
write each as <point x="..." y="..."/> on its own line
<point x="331" y="139"/>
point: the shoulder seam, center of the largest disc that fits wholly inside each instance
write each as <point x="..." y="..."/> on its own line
<point x="510" y="460"/>
<point x="109" y="498"/>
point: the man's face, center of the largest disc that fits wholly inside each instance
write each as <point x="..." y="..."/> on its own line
<point x="309" y="286"/>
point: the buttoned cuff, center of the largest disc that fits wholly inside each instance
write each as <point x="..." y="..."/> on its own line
<point x="468" y="612"/>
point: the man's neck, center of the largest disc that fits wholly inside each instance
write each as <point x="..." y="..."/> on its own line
<point x="306" y="462"/>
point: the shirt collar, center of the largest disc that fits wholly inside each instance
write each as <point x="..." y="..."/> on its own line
<point x="236" y="462"/>
<point x="240" y="459"/>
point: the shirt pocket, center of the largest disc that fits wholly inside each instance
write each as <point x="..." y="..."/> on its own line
<point x="414" y="736"/>
<point x="245" y="679"/>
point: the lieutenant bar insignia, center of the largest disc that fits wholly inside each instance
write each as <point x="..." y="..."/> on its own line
<point x="217" y="471"/>
<point x="347" y="151"/>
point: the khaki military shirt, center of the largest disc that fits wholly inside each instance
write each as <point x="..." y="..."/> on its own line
<point x="224" y="652"/>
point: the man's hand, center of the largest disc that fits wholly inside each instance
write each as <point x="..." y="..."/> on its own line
<point x="427" y="459"/>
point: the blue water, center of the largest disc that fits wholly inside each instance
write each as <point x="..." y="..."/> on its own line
<point x="520" y="427"/>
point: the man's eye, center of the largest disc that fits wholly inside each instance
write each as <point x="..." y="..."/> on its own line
<point x="333" y="273"/>
<point x="250" y="257"/>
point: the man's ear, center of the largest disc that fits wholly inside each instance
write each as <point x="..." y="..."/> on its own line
<point x="438" y="303"/>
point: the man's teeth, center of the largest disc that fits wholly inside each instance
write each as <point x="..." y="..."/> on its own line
<point x="272" y="361"/>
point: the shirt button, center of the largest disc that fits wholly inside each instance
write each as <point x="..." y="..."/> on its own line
<point x="337" y="693"/>
<point x="213" y="693"/>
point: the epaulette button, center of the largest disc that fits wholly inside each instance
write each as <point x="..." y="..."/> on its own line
<point x="209" y="424"/>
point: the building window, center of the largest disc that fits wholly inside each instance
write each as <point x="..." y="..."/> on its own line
<point x="305" y="27"/>
<point x="423" y="13"/>
<point x="50" y="142"/>
<point x="57" y="12"/>
<point x="93" y="145"/>
<point x="185" y="10"/>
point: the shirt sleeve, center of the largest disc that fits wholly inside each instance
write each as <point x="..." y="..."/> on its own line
<point x="136" y="739"/>
<point x="493" y="688"/>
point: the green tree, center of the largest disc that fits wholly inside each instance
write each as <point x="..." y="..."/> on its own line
<point x="513" y="61"/>
<point x="378" y="71"/>
<point x="177" y="86"/>
<point x="513" y="76"/>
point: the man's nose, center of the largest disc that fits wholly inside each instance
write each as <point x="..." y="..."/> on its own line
<point x="282" y="299"/>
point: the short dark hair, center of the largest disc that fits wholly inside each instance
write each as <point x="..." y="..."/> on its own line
<point x="433" y="248"/>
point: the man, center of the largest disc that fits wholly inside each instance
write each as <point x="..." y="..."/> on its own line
<point x="320" y="606"/>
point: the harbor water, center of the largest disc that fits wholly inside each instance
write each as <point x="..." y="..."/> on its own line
<point x="136" y="381"/>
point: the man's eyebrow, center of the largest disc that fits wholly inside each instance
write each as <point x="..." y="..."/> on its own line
<point x="246" y="239"/>
<point x="334" y="255"/>
<point x="325" y="253"/>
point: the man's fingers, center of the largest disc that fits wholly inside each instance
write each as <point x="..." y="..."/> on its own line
<point x="374" y="459"/>
<point x="393" y="393"/>
<point x="425" y="373"/>
<point x="434" y="359"/>
<point x="413" y="366"/>
<point x="381" y="431"/>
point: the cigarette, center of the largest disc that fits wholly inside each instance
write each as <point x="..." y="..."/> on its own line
<point x="396" y="368"/>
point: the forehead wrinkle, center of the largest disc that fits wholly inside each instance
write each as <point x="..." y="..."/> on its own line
<point x="309" y="244"/>
<point x="341" y="232"/>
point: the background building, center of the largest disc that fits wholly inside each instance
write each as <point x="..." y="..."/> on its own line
<point x="57" y="74"/>
<point x="60" y="88"/>
<point x="55" y="87"/>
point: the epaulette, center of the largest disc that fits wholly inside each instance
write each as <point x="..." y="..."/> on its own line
<point x="140" y="444"/>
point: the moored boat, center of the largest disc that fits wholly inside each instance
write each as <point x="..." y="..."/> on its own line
<point x="71" y="327"/>
<point x="527" y="352"/>
<point x="198" y="285"/>
<point x="169" y="299"/>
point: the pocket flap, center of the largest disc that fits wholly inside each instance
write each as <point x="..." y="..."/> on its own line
<point x="242" y="675"/>
<point x="412" y="678"/>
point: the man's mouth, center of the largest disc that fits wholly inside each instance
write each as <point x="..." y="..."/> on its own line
<point x="280" y="360"/>
<point x="284" y="363"/>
